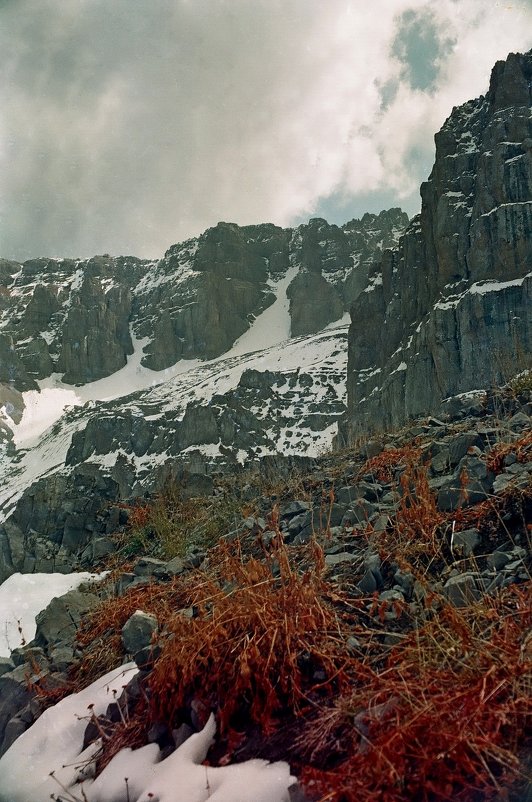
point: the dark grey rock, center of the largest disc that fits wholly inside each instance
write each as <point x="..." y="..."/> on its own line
<point x="498" y="559"/>
<point x="62" y="657"/>
<point x="466" y="541"/>
<point x="519" y="421"/>
<point x="33" y="657"/>
<point x="470" y="483"/>
<point x="138" y="631"/>
<point x="460" y="446"/>
<point x="6" y="665"/>
<point x="299" y="522"/>
<point x="358" y="513"/>
<point x="372" y="448"/>
<point x="368" y="584"/>
<point x="341" y="557"/>
<point x="294" y="508"/>
<point x="405" y="580"/>
<point x="456" y="291"/>
<point x="175" y="566"/>
<point x="59" y="621"/>
<point x="14" y="695"/>
<point x="461" y="590"/>
<point x="14" y="728"/>
<point x="149" y="566"/>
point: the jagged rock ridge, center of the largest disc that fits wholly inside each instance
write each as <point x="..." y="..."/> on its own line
<point x="79" y="318"/>
<point x="449" y="310"/>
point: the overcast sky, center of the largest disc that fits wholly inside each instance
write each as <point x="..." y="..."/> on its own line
<point x="128" y="125"/>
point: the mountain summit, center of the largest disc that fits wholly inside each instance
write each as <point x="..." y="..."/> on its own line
<point x="449" y="310"/>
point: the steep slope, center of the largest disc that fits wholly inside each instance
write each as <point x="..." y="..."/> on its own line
<point x="120" y="372"/>
<point x="449" y="310"/>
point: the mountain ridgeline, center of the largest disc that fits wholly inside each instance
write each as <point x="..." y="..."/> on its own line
<point x="77" y="317"/>
<point x="449" y="310"/>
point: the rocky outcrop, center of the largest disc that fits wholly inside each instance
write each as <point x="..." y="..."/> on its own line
<point x="334" y="263"/>
<point x="81" y="318"/>
<point x="449" y="310"/>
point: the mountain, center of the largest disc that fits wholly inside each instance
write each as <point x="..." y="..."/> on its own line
<point x="120" y="372"/>
<point x="449" y="310"/>
<point x="402" y="562"/>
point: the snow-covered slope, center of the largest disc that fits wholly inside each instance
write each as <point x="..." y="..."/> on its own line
<point x="304" y="386"/>
<point x="116" y="373"/>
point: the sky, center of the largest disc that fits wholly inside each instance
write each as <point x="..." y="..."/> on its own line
<point x="129" y="125"/>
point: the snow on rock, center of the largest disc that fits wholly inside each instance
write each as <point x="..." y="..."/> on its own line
<point x="53" y="743"/>
<point x="47" y="759"/>
<point x="22" y="596"/>
<point x="41" y="410"/>
<point x="272" y="326"/>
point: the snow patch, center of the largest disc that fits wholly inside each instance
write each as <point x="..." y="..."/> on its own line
<point x="53" y="746"/>
<point x="22" y="596"/>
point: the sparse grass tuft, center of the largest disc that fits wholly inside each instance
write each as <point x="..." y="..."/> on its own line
<point x="521" y="383"/>
<point x="170" y="525"/>
<point x="385" y="465"/>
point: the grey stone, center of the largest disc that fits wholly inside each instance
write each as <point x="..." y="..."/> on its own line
<point x="405" y="580"/>
<point x="353" y="644"/>
<point x="294" y="508"/>
<point x="519" y="421"/>
<point x="299" y="522"/>
<point x="372" y="561"/>
<point x="474" y="227"/>
<point x="466" y="541"/>
<point x="461" y="590"/>
<point x="175" y="566"/>
<point x="59" y="621"/>
<point x="14" y="728"/>
<point x="6" y="665"/>
<point x="460" y="446"/>
<point x="124" y="581"/>
<point x="102" y="547"/>
<point x="372" y="448"/>
<point x="498" y="559"/>
<point x="148" y="566"/>
<point x="380" y="523"/>
<point x="359" y="512"/>
<point x="138" y="631"/>
<point x="32" y="656"/>
<point x="470" y="483"/>
<point x="14" y="695"/>
<point x="440" y="462"/>
<point x="368" y="584"/>
<point x="342" y="557"/>
<point x="391" y="595"/>
<point x="62" y="657"/>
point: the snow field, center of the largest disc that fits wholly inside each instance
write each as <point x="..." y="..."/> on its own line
<point x="47" y="759"/>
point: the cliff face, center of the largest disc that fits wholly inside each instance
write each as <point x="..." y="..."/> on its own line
<point x="449" y="310"/>
<point x="80" y="318"/>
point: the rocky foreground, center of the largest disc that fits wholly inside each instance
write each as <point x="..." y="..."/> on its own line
<point x="366" y="619"/>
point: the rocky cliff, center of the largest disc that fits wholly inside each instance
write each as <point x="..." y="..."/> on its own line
<point x="80" y="318"/>
<point x="449" y="310"/>
<point x="144" y="354"/>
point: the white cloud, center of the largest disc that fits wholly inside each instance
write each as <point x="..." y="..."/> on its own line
<point x="129" y="126"/>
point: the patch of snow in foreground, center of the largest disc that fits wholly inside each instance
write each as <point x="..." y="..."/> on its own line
<point x="53" y="744"/>
<point x="22" y="596"/>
